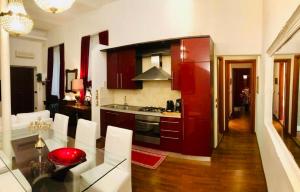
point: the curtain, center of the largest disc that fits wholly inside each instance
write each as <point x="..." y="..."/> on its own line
<point x="56" y="72"/>
<point x="49" y="73"/>
<point x="62" y="71"/>
<point x="103" y="37"/>
<point x="84" y="64"/>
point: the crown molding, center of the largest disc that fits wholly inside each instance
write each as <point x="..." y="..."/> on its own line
<point x="287" y="32"/>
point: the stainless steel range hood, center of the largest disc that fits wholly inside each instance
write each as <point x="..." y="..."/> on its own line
<point x="154" y="73"/>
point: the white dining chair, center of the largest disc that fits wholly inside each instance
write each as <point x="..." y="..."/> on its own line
<point x="85" y="139"/>
<point x="60" y="125"/>
<point x="86" y="133"/>
<point x="14" y="181"/>
<point x="118" y="144"/>
<point x="11" y="180"/>
<point x="60" y="128"/>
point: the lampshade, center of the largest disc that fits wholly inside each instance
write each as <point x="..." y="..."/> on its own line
<point x="15" y="19"/>
<point x="77" y="85"/>
<point x="54" y="6"/>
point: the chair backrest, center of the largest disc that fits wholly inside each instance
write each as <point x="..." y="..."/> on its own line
<point x="60" y="125"/>
<point x="118" y="142"/>
<point x="29" y="117"/>
<point x="86" y="133"/>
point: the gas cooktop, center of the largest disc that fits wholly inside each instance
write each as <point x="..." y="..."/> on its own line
<point x="153" y="109"/>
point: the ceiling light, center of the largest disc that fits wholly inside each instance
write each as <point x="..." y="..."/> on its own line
<point x="54" y="6"/>
<point x="15" y="19"/>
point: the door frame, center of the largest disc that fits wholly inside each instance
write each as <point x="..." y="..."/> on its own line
<point x="295" y="96"/>
<point x="220" y="100"/>
<point x="253" y="88"/>
<point x="287" y="92"/>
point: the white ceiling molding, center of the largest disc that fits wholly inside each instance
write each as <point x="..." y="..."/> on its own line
<point x="287" y="32"/>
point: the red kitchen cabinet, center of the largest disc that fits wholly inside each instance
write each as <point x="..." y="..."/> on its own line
<point x="170" y="134"/>
<point x="196" y="79"/>
<point x="196" y="49"/>
<point x="175" y="65"/>
<point x="121" y="68"/>
<point x="112" y="70"/>
<point x="118" y="119"/>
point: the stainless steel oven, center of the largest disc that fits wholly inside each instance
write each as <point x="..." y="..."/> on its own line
<point x="147" y="129"/>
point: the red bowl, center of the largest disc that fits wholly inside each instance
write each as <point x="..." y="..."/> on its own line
<point x="66" y="156"/>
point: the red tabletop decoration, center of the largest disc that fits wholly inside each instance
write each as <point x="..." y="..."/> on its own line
<point x="66" y="156"/>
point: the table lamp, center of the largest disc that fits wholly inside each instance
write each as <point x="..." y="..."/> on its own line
<point x="77" y="86"/>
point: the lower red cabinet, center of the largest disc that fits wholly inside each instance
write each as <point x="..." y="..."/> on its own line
<point x="118" y="119"/>
<point x="170" y="134"/>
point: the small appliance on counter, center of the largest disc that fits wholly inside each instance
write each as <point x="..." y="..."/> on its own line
<point x="178" y="105"/>
<point x="170" y="106"/>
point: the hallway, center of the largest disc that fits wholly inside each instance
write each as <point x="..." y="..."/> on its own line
<point x="240" y="123"/>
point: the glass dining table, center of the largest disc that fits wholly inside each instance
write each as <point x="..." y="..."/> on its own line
<point x="36" y="170"/>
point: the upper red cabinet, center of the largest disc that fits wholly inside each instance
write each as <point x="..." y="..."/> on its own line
<point x="121" y="68"/>
<point x="175" y="65"/>
<point x="196" y="49"/>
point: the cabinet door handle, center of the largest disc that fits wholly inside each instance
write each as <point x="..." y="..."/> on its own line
<point x="182" y="111"/>
<point x="117" y="80"/>
<point x="112" y="113"/>
<point x="121" y="77"/>
<point x="173" y="138"/>
<point x="172" y="122"/>
<point x="167" y="130"/>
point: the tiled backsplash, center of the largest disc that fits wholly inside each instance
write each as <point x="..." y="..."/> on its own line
<point x="154" y="93"/>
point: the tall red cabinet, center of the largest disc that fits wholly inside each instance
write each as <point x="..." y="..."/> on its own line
<point x="196" y="84"/>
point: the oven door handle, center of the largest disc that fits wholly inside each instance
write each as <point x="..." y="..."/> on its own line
<point x="147" y="122"/>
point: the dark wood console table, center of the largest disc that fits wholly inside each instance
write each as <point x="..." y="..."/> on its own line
<point x="75" y="112"/>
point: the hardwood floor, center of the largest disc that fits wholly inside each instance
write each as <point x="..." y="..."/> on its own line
<point x="235" y="166"/>
<point x="292" y="144"/>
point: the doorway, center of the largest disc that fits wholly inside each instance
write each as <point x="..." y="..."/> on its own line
<point x="281" y="94"/>
<point x="240" y="92"/>
<point x="22" y="89"/>
<point x="295" y="123"/>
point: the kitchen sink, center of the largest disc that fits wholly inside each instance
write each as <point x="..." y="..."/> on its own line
<point x="123" y="107"/>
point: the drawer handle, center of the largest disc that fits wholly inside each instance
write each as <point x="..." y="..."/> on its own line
<point x="147" y="122"/>
<point x="174" y="122"/>
<point x="167" y="130"/>
<point x="174" y="138"/>
<point x="112" y="113"/>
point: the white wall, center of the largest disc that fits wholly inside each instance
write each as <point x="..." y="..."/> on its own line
<point x="281" y="171"/>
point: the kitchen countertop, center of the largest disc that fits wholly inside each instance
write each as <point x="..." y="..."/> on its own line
<point x="135" y="110"/>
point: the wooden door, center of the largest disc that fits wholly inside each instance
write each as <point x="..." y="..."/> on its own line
<point x="295" y="96"/>
<point x="22" y="90"/>
<point x="281" y="92"/>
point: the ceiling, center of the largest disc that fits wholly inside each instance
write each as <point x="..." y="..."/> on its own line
<point x="45" y="21"/>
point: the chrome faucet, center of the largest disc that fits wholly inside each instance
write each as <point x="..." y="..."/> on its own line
<point x="125" y="103"/>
